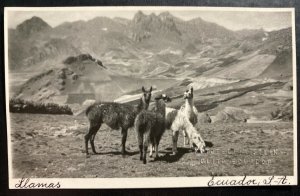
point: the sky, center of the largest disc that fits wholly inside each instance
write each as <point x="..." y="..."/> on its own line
<point x="233" y="19"/>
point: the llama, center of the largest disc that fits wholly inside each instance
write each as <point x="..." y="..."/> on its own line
<point x="184" y="119"/>
<point x="116" y="116"/>
<point x="189" y="110"/>
<point x="150" y="126"/>
<point x="158" y="97"/>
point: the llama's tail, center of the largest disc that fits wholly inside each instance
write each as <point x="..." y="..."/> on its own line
<point x="87" y="111"/>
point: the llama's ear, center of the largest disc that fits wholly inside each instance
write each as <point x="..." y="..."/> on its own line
<point x="151" y="89"/>
<point x="143" y="89"/>
<point x="191" y="88"/>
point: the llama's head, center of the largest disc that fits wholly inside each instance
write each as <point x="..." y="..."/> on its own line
<point x="188" y="94"/>
<point x="198" y="142"/>
<point x="164" y="97"/>
<point x="146" y="97"/>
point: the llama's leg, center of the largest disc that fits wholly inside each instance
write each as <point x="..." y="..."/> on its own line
<point x="92" y="143"/>
<point x="145" y="152"/>
<point x="175" y="139"/>
<point x="141" y="152"/>
<point x="94" y="127"/>
<point x="124" y="137"/>
<point x="86" y="140"/>
<point x="191" y="145"/>
<point x="184" y="135"/>
<point x="151" y="150"/>
<point x="156" y="148"/>
<point x="145" y="146"/>
<point x="172" y="141"/>
<point x="186" y="140"/>
<point x="92" y="139"/>
<point x="140" y="143"/>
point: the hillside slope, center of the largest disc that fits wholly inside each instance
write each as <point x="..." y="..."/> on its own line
<point x="108" y="59"/>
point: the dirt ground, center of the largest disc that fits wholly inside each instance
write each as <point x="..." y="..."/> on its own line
<point x="48" y="146"/>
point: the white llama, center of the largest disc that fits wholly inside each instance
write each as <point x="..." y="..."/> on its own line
<point x="184" y="119"/>
<point x="189" y="110"/>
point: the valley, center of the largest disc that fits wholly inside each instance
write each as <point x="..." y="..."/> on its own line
<point x="101" y="60"/>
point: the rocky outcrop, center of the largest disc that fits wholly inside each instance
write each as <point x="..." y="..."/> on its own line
<point x="284" y="112"/>
<point x="146" y="26"/>
<point x="231" y="115"/>
<point x="82" y="57"/>
<point x="203" y="118"/>
<point x="288" y="86"/>
<point x="32" y="25"/>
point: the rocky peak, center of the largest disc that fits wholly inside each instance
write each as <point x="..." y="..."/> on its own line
<point x="165" y="15"/>
<point x="32" y="25"/>
<point x="138" y="17"/>
<point x="144" y="26"/>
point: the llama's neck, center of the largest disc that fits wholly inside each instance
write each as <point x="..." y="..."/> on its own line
<point x="189" y="106"/>
<point x="141" y="106"/>
<point x="160" y="107"/>
<point x="190" y="129"/>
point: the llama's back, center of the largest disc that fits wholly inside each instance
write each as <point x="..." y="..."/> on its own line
<point x="115" y="115"/>
<point x="144" y="121"/>
<point x="94" y="112"/>
<point x="152" y="121"/>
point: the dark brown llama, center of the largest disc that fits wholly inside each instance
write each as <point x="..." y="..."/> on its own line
<point x="116" y="116"/>
<point x="150" y="126"/>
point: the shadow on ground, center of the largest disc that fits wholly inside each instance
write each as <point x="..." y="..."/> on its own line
<point x="169" y="158"/>
<point x="117" y="153"/>
<point x="208" y="144"/>
<point x="173" y="158"/>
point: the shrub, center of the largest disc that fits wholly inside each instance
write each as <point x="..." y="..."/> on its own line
<point x="22" y="106"/>
<point x="69" y="60"/>
<point x="285" y="112"/>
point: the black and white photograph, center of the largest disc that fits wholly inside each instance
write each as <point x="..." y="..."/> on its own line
<point x="145" y="97"/>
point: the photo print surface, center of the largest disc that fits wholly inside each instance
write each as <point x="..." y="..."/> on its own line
<point x="131" y="97"/>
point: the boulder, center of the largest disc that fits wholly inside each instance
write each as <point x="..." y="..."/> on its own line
<point x="61" y="82"/>
<point x="284" y="112"/>
<point x="75" y="77"/>
<point x="288" y="86"/>
<point x="203" y="118"/>
<point x="62" y="75"/>
<point x="230" y="115"/>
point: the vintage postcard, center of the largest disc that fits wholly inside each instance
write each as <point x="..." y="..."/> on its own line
<point x="146" y="97"/>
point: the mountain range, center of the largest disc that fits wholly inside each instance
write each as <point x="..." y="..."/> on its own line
<point x="158" y="49"/>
